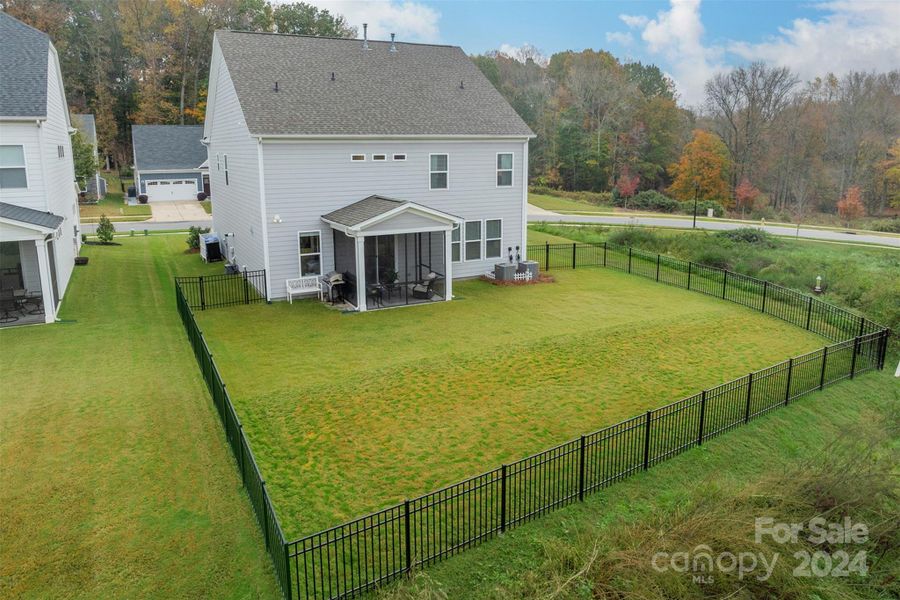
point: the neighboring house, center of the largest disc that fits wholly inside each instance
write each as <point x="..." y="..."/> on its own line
<point x="169" y="162"/>
<point x="39" y="232"/>
<point x="96" y="185"/>
<point x="397" y="165"/>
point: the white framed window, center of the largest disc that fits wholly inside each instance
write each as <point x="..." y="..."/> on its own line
<point x="225" y="165"/>
<point x="379" y="157"/>
<point x="493" y="238"/>
<point x="310" y="249"/>
<point x="400" y="157"/>
<point x="13" y="172"/>
<point x="357" y="157"/>
<point x="456" y="244"/>
<point x="473" y="240"/>
<point x="438" y="171"/>
<point x="504" y="169"/>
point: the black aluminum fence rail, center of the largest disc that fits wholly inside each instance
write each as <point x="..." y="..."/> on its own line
<point x="358" y="556"/>
<point x="215" y="291"/>
<point x="234" y="432"/>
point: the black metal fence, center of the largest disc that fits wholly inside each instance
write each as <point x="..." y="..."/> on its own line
<point x="358" y="556"/>
<point x="214" y="291"/>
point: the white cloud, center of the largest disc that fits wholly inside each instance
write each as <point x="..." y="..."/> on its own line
<point x="411" y="21"/>
<point x="620" y="37"/>
<point x="677" y="35"/>
<point x="853" y="35"/>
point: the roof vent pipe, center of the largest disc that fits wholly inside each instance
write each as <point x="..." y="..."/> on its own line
<point x="365" y="36"/>
<point x="275" y="89"/>
<point x="393" y="46"/>
<point x="461" y="86"/>
<point x="332" y="75"/>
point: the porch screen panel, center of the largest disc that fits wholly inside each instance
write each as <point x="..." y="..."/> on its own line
<point x="345" y="263"/>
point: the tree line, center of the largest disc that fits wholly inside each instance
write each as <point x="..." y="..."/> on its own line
<point x="762" y="138"/>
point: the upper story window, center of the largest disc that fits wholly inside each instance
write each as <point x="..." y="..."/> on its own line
<point x="439" y="171"/>
<point x="358" y="157"/>
<point x="12" y="168"/>
<point x="379" y="157"/>
<point x="399" y="157"/>
<point x="504" y="169"/>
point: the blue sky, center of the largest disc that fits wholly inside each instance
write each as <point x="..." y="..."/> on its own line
<point x="690" y="39"/>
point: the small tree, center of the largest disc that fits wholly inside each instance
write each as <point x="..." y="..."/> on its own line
<point x="627" y="184"/>
<point x="193" y="238"/>
<point x="84" y="159"/>
<point x="850" y="207"/>
<point x="745" y="195"/>
<point x="105" y="230"/>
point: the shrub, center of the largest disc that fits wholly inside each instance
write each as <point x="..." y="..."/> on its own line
<point x="750" y="235"/>
<point x="105" y="230"/>
<point x="193" y="238"/>
<point x="687" y="208"/>
<point x="653" y="200"/>
<point x="886" y="225"/>
<point x="637" y="237"/>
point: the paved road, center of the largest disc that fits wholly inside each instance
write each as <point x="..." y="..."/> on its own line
<point x="140" y="226"/>
<point x="536" y="214"/>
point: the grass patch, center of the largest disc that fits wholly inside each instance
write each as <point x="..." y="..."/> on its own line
<point x="785" y="465"/>
<point x="348" y="413"/>
<point x="117" y="482"/>
<point x="207" y="206"/>
<point x="556" y="203"/>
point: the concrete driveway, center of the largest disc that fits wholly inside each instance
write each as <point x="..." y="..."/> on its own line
<point x="536" y="214"/>
<point x="178" y="212"/>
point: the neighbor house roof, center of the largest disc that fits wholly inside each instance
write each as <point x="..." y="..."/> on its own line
<point x="24" y="60"/>
<point x="87" y="126"/>
<point x="168" y="147"/>
<point x="420" y="89"/>
<point x="29" y="216"/>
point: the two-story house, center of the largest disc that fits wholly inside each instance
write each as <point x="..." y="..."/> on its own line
<point x="39" y="224"/>
<point x="396" y="165"/>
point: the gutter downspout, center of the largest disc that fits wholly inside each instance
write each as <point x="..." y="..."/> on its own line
<point x="525" y="200"/>
<point x="263" y="218"/>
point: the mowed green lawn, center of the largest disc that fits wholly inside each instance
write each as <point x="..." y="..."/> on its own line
<point x="348" y="413"/>
<point x="116" y="479"/>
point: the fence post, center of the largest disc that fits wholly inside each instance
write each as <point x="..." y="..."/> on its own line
<point x="853" y="360"/>
<point x="547" y="256"/>
<point x="408" y="537"/>
<point x="202" y="295"/>
<point x="690" y="264"/>
<point x="264" y="515"/>
<point x="824" y="359"/>
<point x="657" y="267"/>
<point x="287" y="570"/>
<point x="724" y="283"/>
<point x="573" y="255"/>
<point x="787" y="391"/>
<point x="883" y="351"/>
<point x="241" y="446"/>
<point x="765" y="293"/>
<point x="702" y="417"/>
<point x="808" y="311"/>
<point x="581" y="469"/>
<point x="246" y="289"/>
<point x="604" y="254"/>
<point x="629" y="259"/>
<point x="749" y="398"/>
<point x="502" y="498"/>
<point x="862" y="325"/>
<point x="647" y="442"/>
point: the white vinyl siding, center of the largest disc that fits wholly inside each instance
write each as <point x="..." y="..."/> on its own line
<point x="13" y="173"/>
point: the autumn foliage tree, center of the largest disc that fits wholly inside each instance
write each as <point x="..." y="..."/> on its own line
<point x="745" y="195"/>
<point x="627" y="184"/>
<point x="850" y="207"/>
<point x="703" y="169"/>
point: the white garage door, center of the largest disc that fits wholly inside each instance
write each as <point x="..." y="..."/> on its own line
<point x="177" y="189"/>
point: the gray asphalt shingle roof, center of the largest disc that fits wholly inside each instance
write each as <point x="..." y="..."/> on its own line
<point x="360" y="212"/>
<point x="414" y="91"/>
<point x="29" y="216"/>
<point x="24" y="60"/>
<point x="87" y="126"/>
<point x="168" y="147"/>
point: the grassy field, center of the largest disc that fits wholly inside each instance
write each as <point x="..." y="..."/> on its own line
<point x="348" y="413"/>
<point x="782" y="465"/>
<point x="117" y="482"/>
<point x="555" y="203"/>
<point x="113" y="205"/>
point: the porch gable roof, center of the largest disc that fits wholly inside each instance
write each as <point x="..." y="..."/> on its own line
<point x="30" y="218"/>
<point x="376" y="209"/>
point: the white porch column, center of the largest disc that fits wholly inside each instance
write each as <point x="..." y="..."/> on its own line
<point x="43" y="260"/>
<point x="448" y="265"/>
<point x="361" y="274"/>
